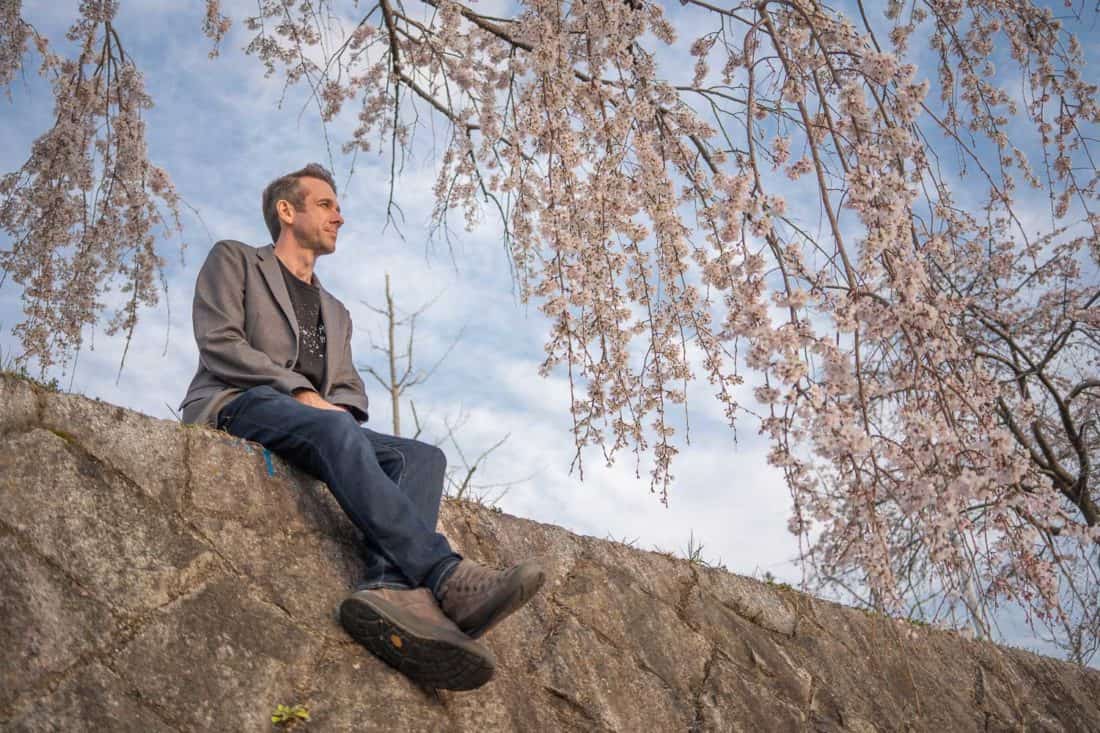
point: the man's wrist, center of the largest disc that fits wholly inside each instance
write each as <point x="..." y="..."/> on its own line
<point x="313" y="398"/>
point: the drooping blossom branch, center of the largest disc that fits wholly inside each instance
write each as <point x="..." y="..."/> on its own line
<point x="215" y="24"/>
<point x="81" y="213"/>
<point x="14" y="32"/>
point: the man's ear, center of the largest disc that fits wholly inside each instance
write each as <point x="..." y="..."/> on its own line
<point x="285" y="210"/>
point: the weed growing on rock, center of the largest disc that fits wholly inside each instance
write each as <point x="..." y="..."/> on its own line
<point x="694" y="554"/>
<point x="51" y="386"/>
<point x="771" y="580"/>
<point x="288" y="717"/>
<point x="11" y="366"/>
<point x="632" y="543"/>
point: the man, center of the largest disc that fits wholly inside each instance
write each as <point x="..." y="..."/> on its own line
<point x="275" y="367"/>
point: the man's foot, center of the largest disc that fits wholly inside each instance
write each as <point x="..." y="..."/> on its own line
<point x="478" y="598"/>
<point x="408" y="631"/>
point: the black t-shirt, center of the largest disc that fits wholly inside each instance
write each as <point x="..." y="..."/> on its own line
<point x="306" y="298"/>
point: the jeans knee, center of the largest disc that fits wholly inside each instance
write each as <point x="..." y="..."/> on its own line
<point x="336" y="425"/>
<point x="434" y="459"/>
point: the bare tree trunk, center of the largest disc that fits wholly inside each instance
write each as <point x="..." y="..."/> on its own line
<point x="395" y="383"/>
<point x="403" y="376"/>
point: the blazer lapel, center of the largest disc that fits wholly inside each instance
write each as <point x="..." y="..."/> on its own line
<point x="269" y="266"/>
<point x="332" y="317"/>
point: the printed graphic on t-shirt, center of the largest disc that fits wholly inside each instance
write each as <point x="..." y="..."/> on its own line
<point x="312" y="339"/>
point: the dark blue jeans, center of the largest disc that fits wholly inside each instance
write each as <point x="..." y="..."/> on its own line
<point x="389" y="487"/>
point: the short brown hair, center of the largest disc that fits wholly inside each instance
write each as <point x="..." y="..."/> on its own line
<point x="286" y="188"/>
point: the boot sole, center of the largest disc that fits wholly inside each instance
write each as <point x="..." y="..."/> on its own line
<point x="526" y="586"/>
<point x="438" y="661"/>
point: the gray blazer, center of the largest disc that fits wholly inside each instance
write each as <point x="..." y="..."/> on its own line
<point x="248" y="335"/>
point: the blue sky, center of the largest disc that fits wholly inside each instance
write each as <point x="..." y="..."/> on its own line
<point x="218" y="129"/>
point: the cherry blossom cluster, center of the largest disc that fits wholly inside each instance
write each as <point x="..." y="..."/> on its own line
<point x="82" y="213"/>
<point x="14" y="32"/>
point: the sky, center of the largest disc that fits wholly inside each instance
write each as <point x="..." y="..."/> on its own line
<point x="220" y="131"/>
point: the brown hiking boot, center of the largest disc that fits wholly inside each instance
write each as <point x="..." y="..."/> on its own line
<point x="408" y="631"/>
<point x="478" y="598"/>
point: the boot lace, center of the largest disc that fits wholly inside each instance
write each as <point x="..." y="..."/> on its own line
<point x="470" y="577"/>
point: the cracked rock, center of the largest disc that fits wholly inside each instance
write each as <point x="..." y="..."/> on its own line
<point x="110" y="539"/>
<point x="159" y="577"/>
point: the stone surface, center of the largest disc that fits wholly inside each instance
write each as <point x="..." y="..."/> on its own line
<point x="214" y="659"/>
<point x="49" y="624"/>
<point x="155" y="576"/>
<point x="21" y="404"/>
<point x="92" y="698"/>
<point x="108" y="536"/>
<point x="149" y="454"/>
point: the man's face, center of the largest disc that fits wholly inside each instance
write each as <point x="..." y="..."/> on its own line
<point x="316" y="225"/>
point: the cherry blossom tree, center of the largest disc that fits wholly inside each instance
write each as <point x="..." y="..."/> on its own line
<point x="880" y="214"/>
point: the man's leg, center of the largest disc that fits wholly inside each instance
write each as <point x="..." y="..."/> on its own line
<point x="418" y="469"/>
<point x="331" y="446"/>
<point x="474" y="597"/>
<point x="402" y="625"/>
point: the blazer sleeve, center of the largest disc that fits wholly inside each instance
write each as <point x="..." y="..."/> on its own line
<point x="347" y="386"/>
<point x="218" y="317"/>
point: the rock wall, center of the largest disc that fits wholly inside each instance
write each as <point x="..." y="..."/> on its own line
<point x="155" y="576"/>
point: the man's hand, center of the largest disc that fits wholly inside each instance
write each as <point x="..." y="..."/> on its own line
<point x="311" y="398"/>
